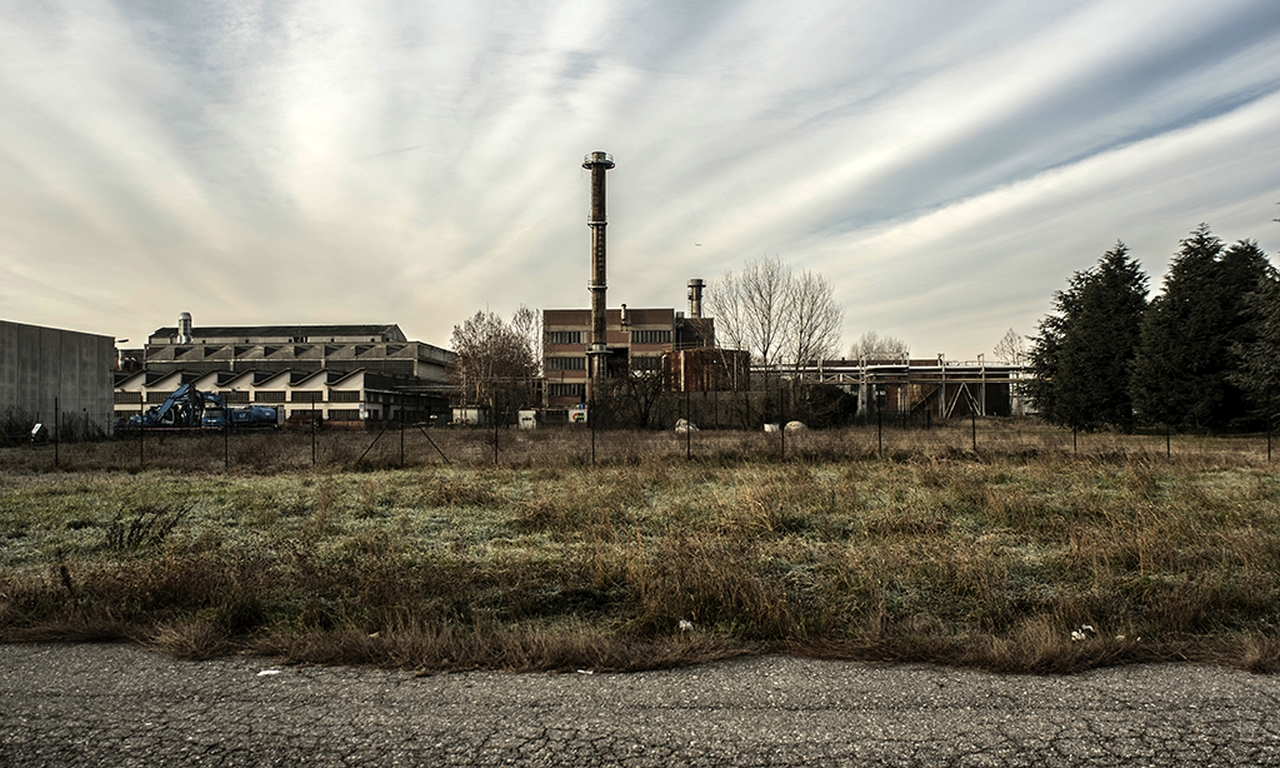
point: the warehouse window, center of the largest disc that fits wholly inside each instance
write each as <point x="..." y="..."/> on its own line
<point x="566" y="363"/>
<point x="564" y="337"/>
<point x="578" y="391"/>
<point x="651" y="337"/>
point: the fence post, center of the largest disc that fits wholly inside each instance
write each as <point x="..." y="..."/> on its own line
<point x="1266" y="414"/>
<point x="688" y="425"/>
<point x="782" y="417"/>
<point x="880" y="431"/>
<point x="881" y="398"/>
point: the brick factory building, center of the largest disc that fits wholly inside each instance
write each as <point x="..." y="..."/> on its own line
<point x="658" y="342"/>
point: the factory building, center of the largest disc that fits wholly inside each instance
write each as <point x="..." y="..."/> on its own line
<point x="376" y="348"/>
<point x="346" y="374"/>
<point x="338" y="397"/>
<point x="659" y="342"/>
<point x="43" y="367"/>
<point x="584" y="349"/>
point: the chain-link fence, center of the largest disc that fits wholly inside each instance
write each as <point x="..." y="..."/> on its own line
<point x="404" y="444"/>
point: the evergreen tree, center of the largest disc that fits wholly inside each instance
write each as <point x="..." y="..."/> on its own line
<point x="1082" y="357"/>
<point x="1259" y="354"/>
<point x="1046" y="353"/>
<point x="1187" y="365"/>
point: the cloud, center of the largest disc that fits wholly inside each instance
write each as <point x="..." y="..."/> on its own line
<point x="947" y="165"/>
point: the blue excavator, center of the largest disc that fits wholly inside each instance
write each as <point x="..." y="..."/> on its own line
<point x="189" y="408"/>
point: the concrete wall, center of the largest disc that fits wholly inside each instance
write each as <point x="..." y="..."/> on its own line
<point x="39" y="364"/>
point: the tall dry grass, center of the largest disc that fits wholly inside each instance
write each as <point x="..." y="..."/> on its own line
<point x="1032" y="557"/>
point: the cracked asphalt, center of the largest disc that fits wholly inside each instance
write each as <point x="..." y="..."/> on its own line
<point x="115" y="705"/>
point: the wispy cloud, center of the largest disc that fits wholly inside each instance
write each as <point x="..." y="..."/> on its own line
<point x="946" y="164"/>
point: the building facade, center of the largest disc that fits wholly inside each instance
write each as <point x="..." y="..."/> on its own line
<point x="638" y="340"/>
<point x="376" y="348"/>
<point x="343" y="398"/>
<point x="43" y="368"/>
<point x="345" y="374"/>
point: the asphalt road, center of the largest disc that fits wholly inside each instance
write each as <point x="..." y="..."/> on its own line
<point x="111" y="705"/>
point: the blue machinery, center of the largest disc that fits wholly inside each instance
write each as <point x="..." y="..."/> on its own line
<point x="189" y="408"/>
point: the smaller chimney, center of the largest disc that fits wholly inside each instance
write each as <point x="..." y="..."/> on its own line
<point x="184" y="328"/>
<point x="695" y="297"/>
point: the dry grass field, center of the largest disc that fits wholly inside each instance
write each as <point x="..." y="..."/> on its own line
<point x="1029" y="554"/>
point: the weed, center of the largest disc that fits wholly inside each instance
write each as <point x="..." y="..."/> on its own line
<point x="149" y="527"/>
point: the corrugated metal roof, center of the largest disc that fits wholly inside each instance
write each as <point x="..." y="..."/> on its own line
<point x="250" y="331"/>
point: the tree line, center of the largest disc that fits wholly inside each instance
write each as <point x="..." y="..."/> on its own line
<point x="1204" y="355"/>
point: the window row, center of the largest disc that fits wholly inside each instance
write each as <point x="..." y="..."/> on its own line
<point x="651" y="337"/>
<point x="566" y="363"/>
<point x="564" y="337"/>
<point x="637" y="337"/>
<point x="567" y="390"/>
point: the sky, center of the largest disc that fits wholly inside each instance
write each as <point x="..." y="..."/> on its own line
<point x="945" y="164"/>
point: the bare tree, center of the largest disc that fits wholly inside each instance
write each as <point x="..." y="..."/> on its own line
<point x="1011" y="349"/>
<point x="778" y="316"/>
<point x="527" y="323"/>
<point x="873" y="346"/>
<point x="496" y="360"/>
<point x="637" y="397"/>
<point x="753" y="308"/>
<point x="815" y="321"/>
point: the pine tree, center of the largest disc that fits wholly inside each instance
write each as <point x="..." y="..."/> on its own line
<point x="1046" y="381"/>
<point x="1082" y="358"/>
<point x="1187" y="364"/>
<point x="1259" y="354"/>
